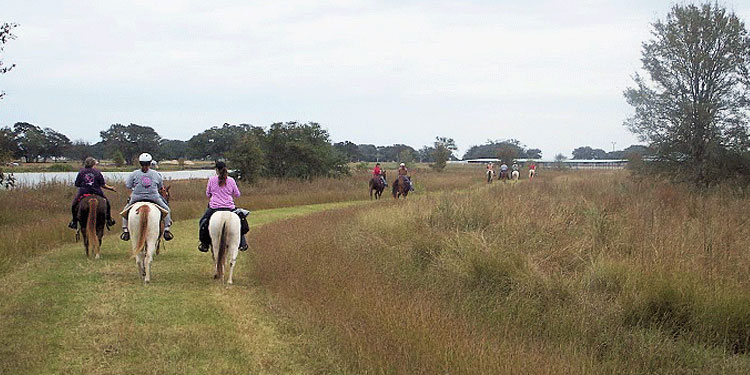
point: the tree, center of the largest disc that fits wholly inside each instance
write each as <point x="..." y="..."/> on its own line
<point x="79" y="150"/>
<point x="508" y="152"/>
<point x="560" y="161"/>
<point x="534" y="153"/>
<point x="247" y="158"/>
<point x="55" y="144"/>
<point x="5" y="36"/>
<point x="692" y="106"/>
<point x="406" y="156"/>
<point x="425" y="154"/>
<point x="8" y="145"/>
<point x="215" y="142"/>
<point x="586" y="152"/>
<point x="444" y="148"/>
<point x="301" y="150"/>
<point x="30" y="140"/>
<point x="349" y="150"/>
<point x="172" y="149"/>
<point x="118" y="158"/>
<point x="368" y="152"/>
<point x="130" y="140"/>
<point x="510" y="146"/>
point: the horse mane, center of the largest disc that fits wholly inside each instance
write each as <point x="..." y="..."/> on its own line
<point x="143" y="212"/>
<point x="91" y="225"/>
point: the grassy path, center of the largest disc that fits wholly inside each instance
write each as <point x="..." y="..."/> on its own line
<point x="62" y="313"/>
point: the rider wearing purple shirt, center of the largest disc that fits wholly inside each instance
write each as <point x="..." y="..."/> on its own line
<point x="90" y="181"/>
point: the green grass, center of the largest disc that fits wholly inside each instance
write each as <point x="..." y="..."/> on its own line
<point x="63" y="313"/>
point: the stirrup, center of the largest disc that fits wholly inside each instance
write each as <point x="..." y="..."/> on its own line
<point x="168" y="236"/>
<point x="203" y="248"/>
<point x="111" y="222"/>
<point x="73" y="224"/>
<point x="125" y="236"/>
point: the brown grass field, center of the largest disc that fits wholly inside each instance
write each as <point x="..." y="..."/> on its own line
<point x="585" y="272"/>
<point x="574" y="272"/>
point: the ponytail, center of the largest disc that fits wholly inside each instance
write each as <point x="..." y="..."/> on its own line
<point x="223" y="176"/>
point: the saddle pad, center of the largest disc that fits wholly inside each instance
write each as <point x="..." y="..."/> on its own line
<point x="127" y="208"/>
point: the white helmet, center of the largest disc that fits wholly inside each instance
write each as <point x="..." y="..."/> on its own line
<point x="145" y="158"/>
<point x="402" y="165"/>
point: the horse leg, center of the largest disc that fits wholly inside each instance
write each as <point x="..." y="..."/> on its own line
<point x="85" y="243"/>
<point x="231" y="264"/>
<point x="147" y="264"/>
<point x="139" y="264"/>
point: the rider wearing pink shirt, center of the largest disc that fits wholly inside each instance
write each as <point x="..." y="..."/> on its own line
<point x="221" y="191"/>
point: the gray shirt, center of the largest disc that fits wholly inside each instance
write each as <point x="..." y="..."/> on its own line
<point x="144" y="185"/>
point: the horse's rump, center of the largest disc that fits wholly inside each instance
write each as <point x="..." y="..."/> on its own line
<point x="142" y="211"/>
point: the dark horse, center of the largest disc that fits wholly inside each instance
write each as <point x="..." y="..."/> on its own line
<point x="92" y="215"/>
<point x="377" y="184"/>
<point x="401" y="187"/>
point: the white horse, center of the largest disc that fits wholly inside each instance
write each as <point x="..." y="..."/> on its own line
<point x="514" y="176"/>
<point x="531" y="174"/>
<point x="145" y="226"/>
<point x="224" y="227"/>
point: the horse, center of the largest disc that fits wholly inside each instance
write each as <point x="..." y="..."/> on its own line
<point x="146" y="227"/>
<point x="514" y="176"/>
<point x="224" y="227"/>
<point x="377" y="184"/>
<point x="531" y="174"/>
<point x="400" y="187"/>
<point x="490" y="173"/>
<point x="92" y="213"/>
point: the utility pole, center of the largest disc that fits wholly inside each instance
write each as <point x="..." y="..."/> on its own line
<point x="613" y="146"/>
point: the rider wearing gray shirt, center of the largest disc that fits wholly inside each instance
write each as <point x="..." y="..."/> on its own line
<point x="145" y="184"/>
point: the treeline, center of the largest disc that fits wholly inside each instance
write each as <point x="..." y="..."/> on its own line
<point x="587" y="153"/>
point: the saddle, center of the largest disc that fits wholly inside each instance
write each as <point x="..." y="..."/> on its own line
<point x="126" y="210"/>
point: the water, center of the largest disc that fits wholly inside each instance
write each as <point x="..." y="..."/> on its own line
<point x="32" y="179"/>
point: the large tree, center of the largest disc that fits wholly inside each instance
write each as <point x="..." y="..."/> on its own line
<point x="215" y="142"/>
<point x="586" y="152"/>
<point x="30" y="141"/>
<point x="692" y="104"/>
<point x="442" y="151"/>
<point x="5" y="36"/>
<point x="301" y="150"/>
<point x="131" y="140"/>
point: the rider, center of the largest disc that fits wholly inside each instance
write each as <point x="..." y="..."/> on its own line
<point x="377" y="172"/>
<point x="402" y="171"/>
<point x="514" y="167"/>
<point x="145" y="184"/>
<point x="220" y="190"/>
<point x="532" y="170"/>
<point x="504" y="170"/>
<point x="90" y="181"/>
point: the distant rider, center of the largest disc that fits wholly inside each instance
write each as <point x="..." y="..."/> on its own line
<point x="532" y="170"/>
<point x="90" y="181"/>
<point x="504" y="170"/>
<point x="403" y="171"/>
<point x="514" y="167"/>
<point x="221" y="191"/>
<point x="377" y="172"/>
<point x="145" y="184"/>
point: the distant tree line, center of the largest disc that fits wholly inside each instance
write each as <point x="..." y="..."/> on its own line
<point x="588" y="153"/>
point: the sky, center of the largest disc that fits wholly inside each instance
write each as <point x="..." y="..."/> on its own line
<point x="548" y="73"/>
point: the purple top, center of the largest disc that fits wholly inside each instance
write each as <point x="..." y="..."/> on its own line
<point x="221" y="196"/>
<point x="89" y="181"/>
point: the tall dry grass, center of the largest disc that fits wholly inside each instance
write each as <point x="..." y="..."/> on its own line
<point x="33" y="220"/>
<point x="586" y="272"/>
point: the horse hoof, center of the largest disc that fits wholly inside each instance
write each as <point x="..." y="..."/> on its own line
<point x="97" y="256"/>
<point x="216" y="277"/>
<point x="229" y="282"/>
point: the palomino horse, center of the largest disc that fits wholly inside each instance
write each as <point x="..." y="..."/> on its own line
<point x="514" y="176"/>
<point x="377" y="184"/>
<point x="400" y="187"/>
<point x="92" y="213"/>
<point x="224" y="227"/>
<point x="145" y="226"/>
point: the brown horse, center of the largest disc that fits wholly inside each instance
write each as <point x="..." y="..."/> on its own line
<point x="400" y="187"/>
<point x="92" y="214"/>
<point x="377" y="184"/>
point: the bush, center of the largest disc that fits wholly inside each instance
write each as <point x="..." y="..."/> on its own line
<point x="61" y="167"/>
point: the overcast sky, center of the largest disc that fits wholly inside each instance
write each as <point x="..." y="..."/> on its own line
<point x="548" y="73"/>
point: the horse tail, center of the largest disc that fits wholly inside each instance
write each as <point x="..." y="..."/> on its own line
<point x="91" y="225"/>
<point x="143" y="212"/>
<point x="220" y="258"/>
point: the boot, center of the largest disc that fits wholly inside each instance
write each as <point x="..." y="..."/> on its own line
<point x="110" y="221"/>
<point x="202" y="247"/>
<point x="168" y="236"/>
<point x="125" y="236"/>
<point x="243" y="243"/>
<point x="73" y="224"/>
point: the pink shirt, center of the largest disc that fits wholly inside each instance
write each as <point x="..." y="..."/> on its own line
<point x="221" y="196"/>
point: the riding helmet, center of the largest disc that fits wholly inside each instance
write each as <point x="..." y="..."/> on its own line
<point x="145" y="158"/>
